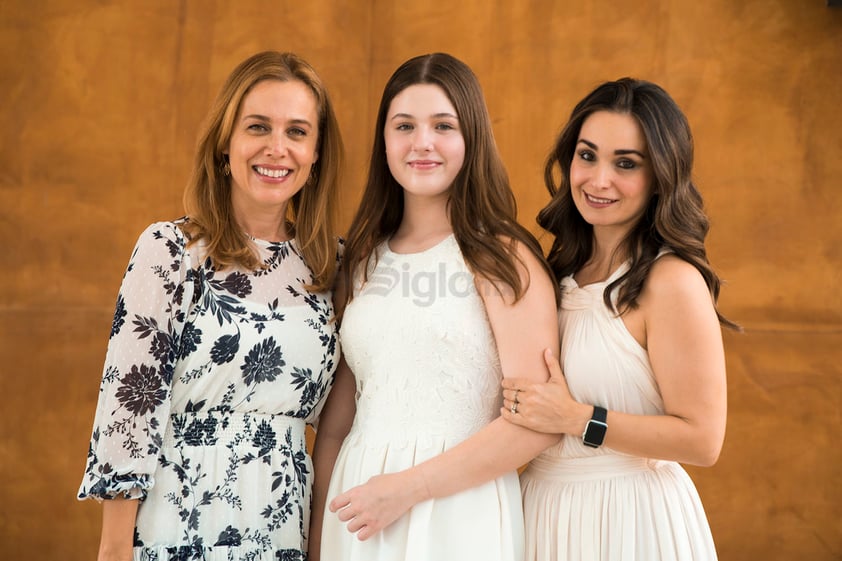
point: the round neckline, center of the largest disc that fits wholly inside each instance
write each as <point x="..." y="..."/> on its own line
<point x="423" y="251"/>
<point x="267" y="243"/>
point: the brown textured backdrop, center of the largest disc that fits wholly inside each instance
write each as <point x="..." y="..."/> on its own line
<point x="101" y="102"/>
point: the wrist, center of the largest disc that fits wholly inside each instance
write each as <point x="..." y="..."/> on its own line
<point x="420" y="488"/>
<point x="596" y="428"/>
<point x="579" y="419"/>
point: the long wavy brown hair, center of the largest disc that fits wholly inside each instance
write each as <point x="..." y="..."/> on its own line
<point x="311" y="212"/>
<point x="674" y="219"/>
<point x="482" y="208"/>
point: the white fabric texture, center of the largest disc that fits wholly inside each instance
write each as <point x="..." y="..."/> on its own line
<point x="418" y="340"/>
<point x="583" y="503"/>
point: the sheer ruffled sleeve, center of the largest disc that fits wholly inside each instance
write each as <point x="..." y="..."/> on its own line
<point x="134" y="397"/>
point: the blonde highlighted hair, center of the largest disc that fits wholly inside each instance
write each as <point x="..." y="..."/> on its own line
<point x="311" y="212"/>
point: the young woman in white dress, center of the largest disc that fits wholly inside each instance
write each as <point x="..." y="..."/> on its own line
<point x="643" y="383"/>
<point x="448" y="295"/>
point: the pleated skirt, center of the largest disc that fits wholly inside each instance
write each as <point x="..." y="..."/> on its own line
<point x="612" y="508"/>
<point x="484" y="523"/>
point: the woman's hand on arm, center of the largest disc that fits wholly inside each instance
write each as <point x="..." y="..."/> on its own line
<point x="118" y="522"/>
<point x="544" y="406"/>
<point x="683" y="339"/>
<point x="522" y="330"/>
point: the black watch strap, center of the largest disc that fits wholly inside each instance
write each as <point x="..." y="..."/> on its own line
<point x="596" y="428"/>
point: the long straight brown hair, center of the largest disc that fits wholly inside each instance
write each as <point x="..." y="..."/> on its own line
<point x="675" y="218"/>
<point x="311" y="212"/>
<point x="482" y="208"/>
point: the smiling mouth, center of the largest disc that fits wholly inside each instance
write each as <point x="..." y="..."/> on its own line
<point x="598" y="200"/>
<point x="423" y="163"/>
<point x="274" y="173"/>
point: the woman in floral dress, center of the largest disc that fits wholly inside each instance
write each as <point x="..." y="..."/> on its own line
<point x="222" y="345"/>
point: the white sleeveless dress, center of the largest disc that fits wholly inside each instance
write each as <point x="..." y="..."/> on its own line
<point x="418" y="340"/>
<point x="582" y="503"/>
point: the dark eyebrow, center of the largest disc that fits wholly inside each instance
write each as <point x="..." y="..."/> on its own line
<point x="593" y="146"/>
<point x="436" y="116"/>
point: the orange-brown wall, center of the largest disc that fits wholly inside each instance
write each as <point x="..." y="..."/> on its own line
<point x="101" y="102"/>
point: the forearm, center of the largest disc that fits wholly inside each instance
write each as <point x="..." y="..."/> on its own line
<point x="500" y="447"/>
<point x="118" y="522"/>
<point x="664" y="437"/>
<point x="325" y="451"/>
<point x="334" y="425"/>
<point x="694" y="440"/>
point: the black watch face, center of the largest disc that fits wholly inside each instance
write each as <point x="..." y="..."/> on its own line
<point x="596" y="433"/>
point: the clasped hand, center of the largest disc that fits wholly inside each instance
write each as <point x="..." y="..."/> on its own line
<point x="544" y="407"/>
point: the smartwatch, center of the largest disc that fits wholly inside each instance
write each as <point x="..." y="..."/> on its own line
<point x="595" y="429"/>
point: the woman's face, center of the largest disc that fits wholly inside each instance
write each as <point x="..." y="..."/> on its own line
<point x="611" y="177"/>
<point x="425" y="148"/>
<point x="273" y="145"/>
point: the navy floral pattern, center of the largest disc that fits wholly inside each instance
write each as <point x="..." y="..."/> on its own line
<point x="209" y="380"/>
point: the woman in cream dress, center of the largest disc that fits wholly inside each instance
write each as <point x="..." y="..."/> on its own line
<point x="643" y="383"/>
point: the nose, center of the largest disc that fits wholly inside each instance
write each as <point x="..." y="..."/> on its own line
<point x="276" y="144"/>
<point x="422" y="140"/>
<point x="603" y="175"/>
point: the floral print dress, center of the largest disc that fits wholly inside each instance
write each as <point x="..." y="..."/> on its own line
<point x="209" y="380"/>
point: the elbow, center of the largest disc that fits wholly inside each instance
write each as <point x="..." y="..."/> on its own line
<point x="707" y="453"/>
<point x="706" y="460"/>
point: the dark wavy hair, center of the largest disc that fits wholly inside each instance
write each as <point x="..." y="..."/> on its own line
<point x="482" y="208"/>
<point x="674" y="219"/>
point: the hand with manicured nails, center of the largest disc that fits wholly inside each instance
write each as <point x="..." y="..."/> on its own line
<point x="544" y="407"/>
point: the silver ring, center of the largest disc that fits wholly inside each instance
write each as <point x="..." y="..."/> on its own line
<point x="513" y="409"/>
<point x="515" y="397"/>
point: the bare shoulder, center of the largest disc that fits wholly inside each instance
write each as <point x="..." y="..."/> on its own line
<point x="674" y="286"/>
<point x="672" y="275"/>
<point x="531" y="270"/>
<point x="523" y="328"/>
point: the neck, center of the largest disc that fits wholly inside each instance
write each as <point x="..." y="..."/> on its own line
<point x="425" y="220"/>
<point x="607" y="241"/>
<point x="267" y="224"/>
<point x="606" y="256"/>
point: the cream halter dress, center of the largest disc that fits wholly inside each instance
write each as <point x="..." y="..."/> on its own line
<point x="594" y="504"/>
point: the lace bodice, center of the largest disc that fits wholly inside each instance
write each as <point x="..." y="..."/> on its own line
<point x="418" y="340"/>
